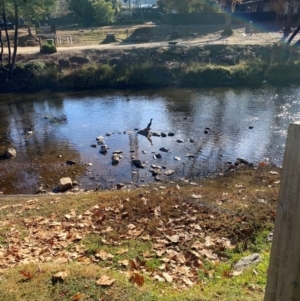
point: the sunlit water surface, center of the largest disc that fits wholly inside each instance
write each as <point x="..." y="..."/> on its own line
<point x="67" y="124"/>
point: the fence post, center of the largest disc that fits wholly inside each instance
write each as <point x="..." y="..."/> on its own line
<point x="283" y="283"/>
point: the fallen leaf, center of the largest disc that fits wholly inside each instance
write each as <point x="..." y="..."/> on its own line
<point x="159" y="278"/>
<point x="136" y="263"/>
<point x="122" y="251"/>
<point x="78" y="296"/>
<point x="137" y="279"/>
<point x="59" y="277"/>
<point x="124" y="262"/>
<point x="173" y="238"/>
<point x="187" y="281"/>
<point x="102" y="254"/>
<point x="195" y="196"/>
<point x="237" y="273"/>
<point x="105" y="281"/>
<point x="131" y="226"/>
<point x="168" y="277"/>
<point x="27" y="275"/>
<point x="157" y="211"/>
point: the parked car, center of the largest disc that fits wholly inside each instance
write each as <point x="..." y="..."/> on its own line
<point x="9" y="25"/>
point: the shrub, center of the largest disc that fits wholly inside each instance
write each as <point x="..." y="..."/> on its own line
<point x="48" y="48"/>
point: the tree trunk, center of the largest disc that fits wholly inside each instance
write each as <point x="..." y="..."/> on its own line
<point x="288" y="22"/>
<point x="293" y="35"/>
<point x="29" y="31"/>
<point x="6" y="33"/>
<point x="228" y="20"/>
<point x="14" y="56"/>
<point x="1" y="46"/>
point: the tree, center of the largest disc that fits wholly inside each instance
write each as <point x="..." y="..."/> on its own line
<point x="103" y="12"/>
<point x="36" y="10"/>
<point x="187" y="6"/>
<point x="93" y="11"/>
<point x="83" y="10"/>
<point x="227" y="7"/>
<point x="13" y="9"/>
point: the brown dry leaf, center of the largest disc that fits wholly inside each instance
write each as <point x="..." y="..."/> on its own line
<point x="105" y="281"/>
<point x="237" y="273"/>
<point x="157" y="211"/>
<point x="124" y="262"/>
<point x="208" y="254"/>
<point x="187" y="281"/>
<point x="196" y="196"/>
<point x="136" y="263"/>
<point x="159" y="278"/>
<point x="60" y="276"/>
<point x="137" y="279"/>
<point x="130" y="226"/>
<point x="78" y="296"/>
<point x="173" y="238"/>
<point x="61" y="260"/>
<point x="208" y="241"/>
<point x="27" y="275"/>
<point x="159" y="253"/>
<point x="122" y="251"/>
<point x="102" y="254"/>
<point x="145" y="237"/>
<point x="168" y="277"/>
<point x="262" y="164"/>
<point x="227" y="274"/>
<point x="135" y="232"/>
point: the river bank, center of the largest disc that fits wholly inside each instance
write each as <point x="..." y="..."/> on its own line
<point x="173" y="242"/>
<point x="182" y="66"/>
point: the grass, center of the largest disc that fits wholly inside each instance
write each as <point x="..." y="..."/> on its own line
<point x="144" y="70"/>
<point x="89" y="235"/>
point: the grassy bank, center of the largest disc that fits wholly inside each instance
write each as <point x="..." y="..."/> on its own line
<point x="177" y="242"/>
<point x="208" y="66"/>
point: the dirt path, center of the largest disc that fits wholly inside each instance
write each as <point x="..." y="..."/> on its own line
<point x="239" y="38"/>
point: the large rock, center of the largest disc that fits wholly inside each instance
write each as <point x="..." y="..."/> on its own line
<point x="64" y="184"/>
<point x="10" y="153"/>
<point x="115" y="158"/>
<point x="138" y="163"/>
<point x="247" y="261"/>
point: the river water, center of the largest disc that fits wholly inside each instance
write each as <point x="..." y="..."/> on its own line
<point x="65" y="125"/>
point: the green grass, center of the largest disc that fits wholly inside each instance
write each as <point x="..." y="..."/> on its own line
<point x="220" y="285"/>
<point x="213" y="280"/>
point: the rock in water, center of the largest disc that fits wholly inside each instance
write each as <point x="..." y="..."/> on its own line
<point x="10" y="153"/>
<point x="115" y="159"/>
<point x="64" y="184"/>
<point x="138" y="163"/>
<point x="163" y="149"/>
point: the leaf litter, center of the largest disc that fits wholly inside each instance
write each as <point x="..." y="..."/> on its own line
<point x="183" y="231"/>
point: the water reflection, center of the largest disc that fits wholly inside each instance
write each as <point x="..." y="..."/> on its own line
<point x="64" y="126"/>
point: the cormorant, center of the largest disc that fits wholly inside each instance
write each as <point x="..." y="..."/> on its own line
<point x="149" y="125"/>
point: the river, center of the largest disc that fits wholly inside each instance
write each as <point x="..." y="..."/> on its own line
<point x="249" y="123"/>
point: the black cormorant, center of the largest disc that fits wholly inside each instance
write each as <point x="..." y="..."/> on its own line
<point x="149" y="125"/>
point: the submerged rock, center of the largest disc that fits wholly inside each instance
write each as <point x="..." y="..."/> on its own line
<point x="10" y="153"/>
<point x="115" y="158"/>
<point x="138" y="163"/>
<point x="169" y="172"/>
<point x="163" y="149"/>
